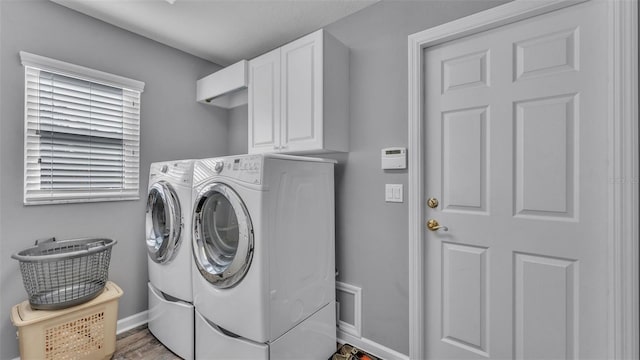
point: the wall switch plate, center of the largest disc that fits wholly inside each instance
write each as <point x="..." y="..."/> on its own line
<point x="393" y="193"/>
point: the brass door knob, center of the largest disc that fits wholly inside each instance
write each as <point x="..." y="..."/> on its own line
<point x="433" y="225"/>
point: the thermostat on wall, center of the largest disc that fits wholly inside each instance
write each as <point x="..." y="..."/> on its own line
<point x="394" y="158"/>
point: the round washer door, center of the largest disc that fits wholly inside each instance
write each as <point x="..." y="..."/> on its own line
<point x="163" y="222"/>
<point x="222" y="235"/>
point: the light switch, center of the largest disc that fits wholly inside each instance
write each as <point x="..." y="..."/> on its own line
<point x="393" y="193"/>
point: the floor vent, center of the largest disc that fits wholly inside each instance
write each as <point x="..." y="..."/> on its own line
<point x="349" y="308"/>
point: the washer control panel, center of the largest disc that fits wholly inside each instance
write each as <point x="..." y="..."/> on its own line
<point x="178" y="172"/>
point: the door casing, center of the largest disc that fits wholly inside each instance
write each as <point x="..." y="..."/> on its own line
<point x="623" y="244"/>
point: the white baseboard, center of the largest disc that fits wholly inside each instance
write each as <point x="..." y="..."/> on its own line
<point x="371" y="347"/>
<point x="132" y="322"/>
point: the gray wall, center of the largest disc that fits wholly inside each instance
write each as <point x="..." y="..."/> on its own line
<point x="237" y="137"/>
<point x="372" y="236"/>
<point x="173" y="126"/>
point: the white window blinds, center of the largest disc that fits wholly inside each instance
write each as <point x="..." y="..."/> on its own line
<point x="82" y="138"/>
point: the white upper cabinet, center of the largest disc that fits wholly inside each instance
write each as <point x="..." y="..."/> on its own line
<point x="298" y="97"/>
<point x="264" y="102"/>
<point x="224" y="88"/>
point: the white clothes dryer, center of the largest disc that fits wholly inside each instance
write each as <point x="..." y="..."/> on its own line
<point x="168" y="240"/>
<point x="264" y="262"/>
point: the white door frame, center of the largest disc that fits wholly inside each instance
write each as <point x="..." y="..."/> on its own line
<point x="623" y="214"/>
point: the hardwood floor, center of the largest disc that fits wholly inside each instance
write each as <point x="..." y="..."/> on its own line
<point x="139" y="344"/>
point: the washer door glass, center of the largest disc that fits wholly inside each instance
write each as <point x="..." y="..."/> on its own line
<point x="222" y="235"/>
<point x="163" y="222"/>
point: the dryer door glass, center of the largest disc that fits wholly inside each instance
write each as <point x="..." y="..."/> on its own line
<point x="163" y="222"/>
<point x="223" y="236"/>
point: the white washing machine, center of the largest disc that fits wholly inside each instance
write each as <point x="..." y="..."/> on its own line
<point x="168" y="239"/>
<point x="264" y="258"/>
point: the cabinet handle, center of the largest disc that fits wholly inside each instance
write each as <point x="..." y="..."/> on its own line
<point x="283" y="147"/>
<point x="276" y="147"/>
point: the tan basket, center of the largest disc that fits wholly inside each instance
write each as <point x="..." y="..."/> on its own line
<point x="85" y="331"/>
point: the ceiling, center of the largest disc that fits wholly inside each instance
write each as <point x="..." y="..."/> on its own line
<point x="221" y="31"/>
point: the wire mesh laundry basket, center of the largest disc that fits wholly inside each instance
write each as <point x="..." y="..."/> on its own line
<point x="61" y="274"/>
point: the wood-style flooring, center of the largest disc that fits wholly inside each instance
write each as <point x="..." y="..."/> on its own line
<point x="139" y="344"/>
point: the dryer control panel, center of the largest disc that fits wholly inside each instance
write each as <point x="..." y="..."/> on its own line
<point x="245" y="168"/>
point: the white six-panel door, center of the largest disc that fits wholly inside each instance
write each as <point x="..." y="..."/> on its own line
<point x="516" y="155"/>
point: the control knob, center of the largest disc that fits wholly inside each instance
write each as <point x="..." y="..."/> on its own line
<point x="218" y="167"/>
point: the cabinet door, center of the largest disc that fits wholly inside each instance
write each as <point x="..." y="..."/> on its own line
<point x="264" y="103"/>
<point x="302" y="85"/>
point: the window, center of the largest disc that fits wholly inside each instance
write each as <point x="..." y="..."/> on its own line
<point x="82" y="133"/>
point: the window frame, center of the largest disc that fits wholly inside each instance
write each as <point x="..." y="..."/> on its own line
<point x="94" y="76"/>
